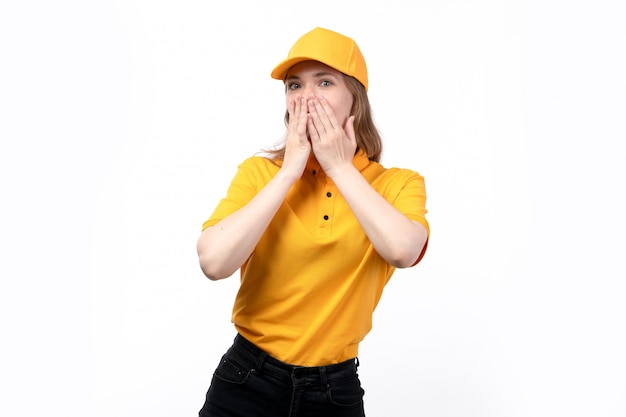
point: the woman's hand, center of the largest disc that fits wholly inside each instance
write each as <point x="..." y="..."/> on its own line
<point x="334" y="145"/>
<point x="297" y="147"/>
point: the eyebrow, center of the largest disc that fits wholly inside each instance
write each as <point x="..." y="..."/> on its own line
<point x="316" y="75"/>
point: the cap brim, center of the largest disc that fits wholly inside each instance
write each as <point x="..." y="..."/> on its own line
<point x="280" y="71"/>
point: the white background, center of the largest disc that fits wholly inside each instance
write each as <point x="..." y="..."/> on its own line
<point x="122" y="123"/>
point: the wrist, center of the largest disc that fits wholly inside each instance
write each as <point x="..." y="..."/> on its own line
<point x="288" y="176"/>
<point x="340" y="171"/>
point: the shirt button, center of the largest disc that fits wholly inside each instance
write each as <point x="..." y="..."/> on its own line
<point x="325" y="217"/>
<point x="329" y="194"/>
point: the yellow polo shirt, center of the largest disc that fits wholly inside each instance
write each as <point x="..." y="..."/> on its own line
<point x="309" y="289"/>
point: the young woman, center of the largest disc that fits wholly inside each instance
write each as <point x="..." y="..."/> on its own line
<point x="316" y="229"/>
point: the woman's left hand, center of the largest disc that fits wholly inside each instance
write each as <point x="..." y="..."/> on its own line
<point x="333" y="144"/>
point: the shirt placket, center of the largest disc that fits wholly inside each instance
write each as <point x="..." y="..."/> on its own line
<point x="327" y="208"/>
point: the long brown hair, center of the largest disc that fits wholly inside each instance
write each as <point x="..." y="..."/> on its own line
<point x="367" y="135"/>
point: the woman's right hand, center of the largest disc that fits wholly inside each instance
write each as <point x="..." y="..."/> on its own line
<point x="298" y="146"/>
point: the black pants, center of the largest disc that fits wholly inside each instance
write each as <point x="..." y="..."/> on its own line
<point x="250" y="383"/>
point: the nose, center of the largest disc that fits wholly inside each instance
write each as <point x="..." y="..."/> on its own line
<point x="307" y="91"/>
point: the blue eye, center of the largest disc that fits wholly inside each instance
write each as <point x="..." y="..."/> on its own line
<point x="293" y="86"/>
<point x="325" y="83"/>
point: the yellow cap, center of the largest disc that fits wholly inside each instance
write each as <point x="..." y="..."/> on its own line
<point x="328" y="47"/>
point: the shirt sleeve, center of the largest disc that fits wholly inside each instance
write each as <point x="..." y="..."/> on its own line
<point x="243" y="187"/>
<point x="411" y="200"/>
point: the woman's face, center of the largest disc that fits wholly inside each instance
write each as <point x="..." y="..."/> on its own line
<point x="313" y="79"/>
